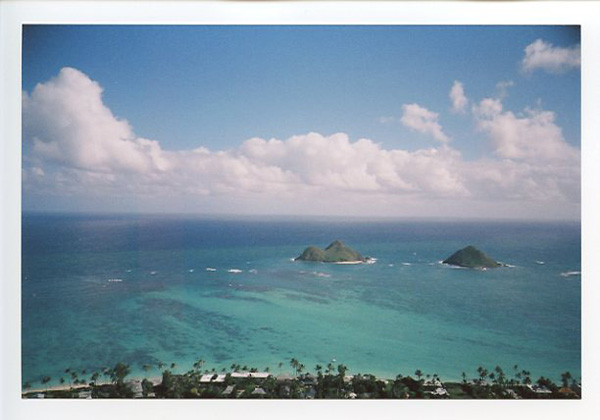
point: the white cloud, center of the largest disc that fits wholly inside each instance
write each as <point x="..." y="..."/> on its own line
<point x="66" y="121"/>
<point x="74" y="146"/>
<point x="424" y="121"/>
<point x="533" y="136"/>
<point x="545" y="56"/>
<point x="458" y="98"/>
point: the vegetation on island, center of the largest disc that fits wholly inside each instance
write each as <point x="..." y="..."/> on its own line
<point x="325" y="382"/>
<point x="471" y="257"/>
<point x="336" y="252"/>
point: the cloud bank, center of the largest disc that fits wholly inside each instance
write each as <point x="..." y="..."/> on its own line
<point x="76" y="147"/>
<point x="545" y="56"/>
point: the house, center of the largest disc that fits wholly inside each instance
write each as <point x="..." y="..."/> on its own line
<point x="204" y="379"/>
<point x="220" y="378"/>
<point x="432" y="383"/>
<point x="228" y="390"/>
<point x="309" y="379"/>
<point x="85" y="395"/>
<point x="259" y="391"/>
<point x="539" y="389"/>
<point x="512" y="394"/>
<point x="285" y="377"/>
<point x="259" y="375"/>
<point x="567" y="391"/>
<point x="310" y="393"/>
<point x="136" y="388"/>
<point x="439" y="392"/>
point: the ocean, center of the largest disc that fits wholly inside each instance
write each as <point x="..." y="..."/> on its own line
<point x="146" y="289"/>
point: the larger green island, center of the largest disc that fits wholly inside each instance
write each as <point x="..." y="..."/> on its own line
<point x="336" y="252"/>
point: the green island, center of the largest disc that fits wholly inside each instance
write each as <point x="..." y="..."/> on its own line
<point x="326" y="382"/>
<point x="336" y="252"/>
<point x="471" y="257"/>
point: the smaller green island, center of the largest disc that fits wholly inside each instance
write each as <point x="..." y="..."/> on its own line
<point x="336" y="253"/>
<point x="471" y="257"/>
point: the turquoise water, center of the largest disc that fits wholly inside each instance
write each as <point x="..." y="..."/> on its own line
<point x="404" y="312"/>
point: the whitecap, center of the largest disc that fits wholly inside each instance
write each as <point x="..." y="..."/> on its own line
<point x="234" y="270"/>
<point x="406" y="264"/>
<point x="319" y="274"/>
<point x="540" y="262"/>
<point x="152" y="273"/>
<point x="253" y="271"/>
<point x="571" y="273"/>
<point x="191" y="270"/>
<point x="390" y="265"/>
<point x="211" y="269"/>
<point x="115" y="280"/>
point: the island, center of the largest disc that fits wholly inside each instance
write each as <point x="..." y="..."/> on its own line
<point x="471" y="257"/>
<point x="336" y="252"/>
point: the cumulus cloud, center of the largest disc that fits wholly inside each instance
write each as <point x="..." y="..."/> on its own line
<point x="75" y="146"/>
<point x="532" y="136"/>
<point x="545" y="56"/>
<point x="458" y="98"/>
<point x="66" y="121"/>
<point x="424" y="121"/>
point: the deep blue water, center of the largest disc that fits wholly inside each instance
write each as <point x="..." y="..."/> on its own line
<point x="405" y="312"/>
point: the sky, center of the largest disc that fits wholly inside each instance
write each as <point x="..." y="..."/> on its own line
<point x="370" y="121"/>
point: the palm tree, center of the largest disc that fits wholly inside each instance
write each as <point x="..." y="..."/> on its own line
<point x="119" y="372"/>
<point x="566" y="377"/>
<point x="173" y="365"/>
<point x="330" y="367"/>
<point x="294" y="363"/>
<point x="482" y="373"/>
<point x="45" y="380"/>
<point x="418" y="374"/>
<point x="198" y="364"/>
<point x="75" y="378"/>
<point x="160" y="365"/>
<point x="94" y="377"/>
<point x="500" y="374"/>
<point x="342" y="370"/>
<point x="464" y="376"/>
<point x="527" y="377"/>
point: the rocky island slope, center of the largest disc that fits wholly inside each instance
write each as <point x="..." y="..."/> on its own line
<point x="471" y="257"/>
<point x="336" y="252"/>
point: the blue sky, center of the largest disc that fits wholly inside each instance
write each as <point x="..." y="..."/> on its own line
<point x="218" y="86"/>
